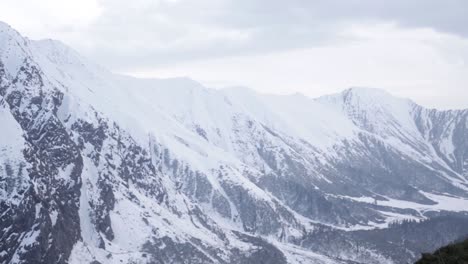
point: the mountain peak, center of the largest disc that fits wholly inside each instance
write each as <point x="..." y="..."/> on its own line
<point x="366" y="92"/>
<point x="365" y="96"/>
<point x="360" y="95"/>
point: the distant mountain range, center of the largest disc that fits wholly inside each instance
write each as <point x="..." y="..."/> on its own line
<point x="97" y="167"/>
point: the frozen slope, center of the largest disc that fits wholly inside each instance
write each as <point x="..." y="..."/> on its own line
<point x="198" y="175"/>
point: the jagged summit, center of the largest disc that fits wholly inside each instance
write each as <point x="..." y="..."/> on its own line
<point x="364" y="95"/>
<point x="370" y="91"/>
<point x="372" y="96"/>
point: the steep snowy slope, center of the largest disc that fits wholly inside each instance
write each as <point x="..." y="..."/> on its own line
<point x="91" y="183"/>
<point x="102" y="168"/>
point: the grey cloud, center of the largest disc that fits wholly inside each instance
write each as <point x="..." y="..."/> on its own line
<point x="149" y="33"/>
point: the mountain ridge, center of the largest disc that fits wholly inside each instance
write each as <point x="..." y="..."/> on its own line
<point x="181" y="166"/>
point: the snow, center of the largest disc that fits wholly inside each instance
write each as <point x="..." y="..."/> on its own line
<point x="309" y="119"/>
<point x="378" y="112"/>
<point x="297" y="255"/>
<point x="126" y="219"/>
<point x="28" y="239"/>
<point x="444" y="202"/>
<point x="13" y="49"/>
<point x="65" y="173"/>
<point x="12" y="163"/>
<point x="89" y="178"/>
<point x="53" y="217"/>
<point x="206" y="129"/>
<point x="446" y="145"/>
<point x="11" y="141"/>
<point x="83" y="253"/>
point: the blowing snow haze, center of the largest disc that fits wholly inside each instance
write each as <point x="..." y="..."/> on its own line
<point x="97" y="166"/>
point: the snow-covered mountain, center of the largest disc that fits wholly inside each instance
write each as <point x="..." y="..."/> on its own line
<point x="103" y="168"/>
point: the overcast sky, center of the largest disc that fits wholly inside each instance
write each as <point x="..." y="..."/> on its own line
<point x="411" y="48"/>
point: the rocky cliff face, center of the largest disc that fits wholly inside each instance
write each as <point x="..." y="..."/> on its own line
<point x="102" y="168"/>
